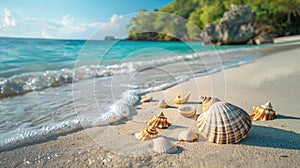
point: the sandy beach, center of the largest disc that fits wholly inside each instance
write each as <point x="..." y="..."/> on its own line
<point x="274" y="77"/>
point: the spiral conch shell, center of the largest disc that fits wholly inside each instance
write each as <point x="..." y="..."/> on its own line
<point x="162" y="104"/>
<point x="187" y="136"/>
<point x="181" y="99"/>
<point x="159" y="121"/>
<point x="263" y="112"/>
<point x="207" y="102"/>
<point x="224" y="123"/>
<point x="147" y="133"/>
<point x="162" y="145"/>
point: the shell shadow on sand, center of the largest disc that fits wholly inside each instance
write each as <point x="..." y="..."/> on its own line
<point x="279" y="116"/>
<point x="272" y="137"/>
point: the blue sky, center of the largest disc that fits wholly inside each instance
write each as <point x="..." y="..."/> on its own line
<point x="69" y="19"/>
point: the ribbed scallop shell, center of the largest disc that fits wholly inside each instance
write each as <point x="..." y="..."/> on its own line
<point x="181" y="99"/>
<point x="159" y="121"/>
<point x="162" y="145"/>
<point x="187" y="111"/>
<point x="187" y="135"/>
<point x="263" y="112"/>
<point x="207" y="102"/>
<point x="224" y="123"/>
<point x="147" y="133"/>
<point x="162" y="104"/>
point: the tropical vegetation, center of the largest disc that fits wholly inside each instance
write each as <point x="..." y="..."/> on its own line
<point x="274" y="17"/>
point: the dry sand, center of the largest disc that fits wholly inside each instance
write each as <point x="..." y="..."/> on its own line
<point x="275" y="143"/>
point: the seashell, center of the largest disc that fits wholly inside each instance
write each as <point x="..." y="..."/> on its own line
<point x="224" y="123"/>
<point x="187" y="111"/>
<point x="147" y="133"/>
<point x="187" y="136"/>
<point x="181" y="99"/>
<point x="263" y="112"/>
<point x="207" y="102"/>
<point x="162" y="104"/>
<point x="159" y="121"/>
<point x="146" y="99"/>
<point x="162" y="145"/>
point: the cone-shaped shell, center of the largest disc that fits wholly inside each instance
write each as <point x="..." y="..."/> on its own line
<point x="162" y="145"/>
<point x="263" y="112"/>
<point x="187" y="136"/>
<point x="159" y="121"/>
<point x="187" y="111"/>
<point x="147" y="133"/>
<point x="181" y="99"/>
<point x="207" y="102"/>
<point x="146" y="99"/>
<point x="224" y="123"/>
<point x="162" y="104"/>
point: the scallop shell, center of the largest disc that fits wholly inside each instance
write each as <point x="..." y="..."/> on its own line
<point x="207" y="102"/>
<point x="146" y="99"/>
<point x="162" y="145"/>
<point x="263" y="112"/>
<point x="224" y="123"/>
<point x="187" y="136"/>
<point x="159" y="121"/>
<point x="162" y="104"/>
<point x="187" y="111"/>
<point x="181" y="99"/>
<point x="147" y="133"/>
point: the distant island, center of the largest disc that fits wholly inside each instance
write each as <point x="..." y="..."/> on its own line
<point x="225" y="22"/>
<point x="110" y="38"/>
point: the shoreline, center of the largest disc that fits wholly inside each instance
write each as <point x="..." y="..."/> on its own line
<point x="271" y="77"/>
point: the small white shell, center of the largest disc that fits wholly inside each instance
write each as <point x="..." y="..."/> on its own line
<point x="187" y="111"/>
<point x="162" y="145"/>
<point x="146" y="99"/>
<point x="187" y="135"/>
<point x="162" y="104"/>
<point x="181" y="99"/>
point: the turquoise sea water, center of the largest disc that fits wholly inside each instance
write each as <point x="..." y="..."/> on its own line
<point x="52" y="86"/>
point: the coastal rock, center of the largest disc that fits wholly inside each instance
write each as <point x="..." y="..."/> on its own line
<point x="235" y="27"/>
<point x="263" y="39"/>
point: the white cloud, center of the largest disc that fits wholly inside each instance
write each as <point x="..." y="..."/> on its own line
<point x="67" y="28"/>
<point x="67" y="20"/>
<point x="117" y="27"/>
<point x="10" y="19"/>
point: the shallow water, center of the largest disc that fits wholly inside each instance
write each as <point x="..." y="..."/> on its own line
<point x="53" y="86"/>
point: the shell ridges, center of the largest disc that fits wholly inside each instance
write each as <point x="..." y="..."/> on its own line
<point x="224" y="123"/>
<point x="147" y="133"/>
<point x="207" y="101"/>
<point x="162" y="145"/>
<point x="263" y="112"/>
<point x="159" y="121"/>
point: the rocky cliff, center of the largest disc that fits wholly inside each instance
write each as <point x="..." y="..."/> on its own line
<point x="235" y="27"/>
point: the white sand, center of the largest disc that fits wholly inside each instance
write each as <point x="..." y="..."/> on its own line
<point x="275" y="143"/>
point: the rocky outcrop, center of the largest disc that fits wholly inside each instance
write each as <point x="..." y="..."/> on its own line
<point x="235" y="27"/>
<point x="263" y="39"/>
